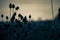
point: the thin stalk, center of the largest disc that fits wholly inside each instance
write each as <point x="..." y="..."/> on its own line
<point x="52" y="9"/>
<point x="10" y="14"/>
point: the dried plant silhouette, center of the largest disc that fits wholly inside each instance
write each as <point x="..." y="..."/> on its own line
<point x="10" y="6"/>
<point x="7" y="18"/>
<point x="20" y="16"/>
<point x="25" y="19"/>
<point x="13" y="6"/>
<point x="14" y="29"/>
<point x="2" y="16"/>
<point x="17" y="8"/>
<point x="13" y="17"/>
<point x="29" y="17"/>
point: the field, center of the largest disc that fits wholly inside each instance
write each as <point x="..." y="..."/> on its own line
<point x="35" y="30"/>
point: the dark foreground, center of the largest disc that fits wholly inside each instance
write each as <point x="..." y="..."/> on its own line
<point x="35" y="30"/>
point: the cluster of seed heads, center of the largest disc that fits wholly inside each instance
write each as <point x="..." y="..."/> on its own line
<point x="12" y="6"/>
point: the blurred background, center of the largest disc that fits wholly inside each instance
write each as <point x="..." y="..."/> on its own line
<point x="38" y="9"/>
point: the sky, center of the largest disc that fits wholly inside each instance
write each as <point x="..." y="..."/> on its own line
<point x="38" y="9"/>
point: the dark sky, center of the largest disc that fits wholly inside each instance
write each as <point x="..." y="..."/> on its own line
<point x="37" y="8"/>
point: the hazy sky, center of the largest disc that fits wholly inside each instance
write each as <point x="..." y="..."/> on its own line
<point x="37" y="8"/>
